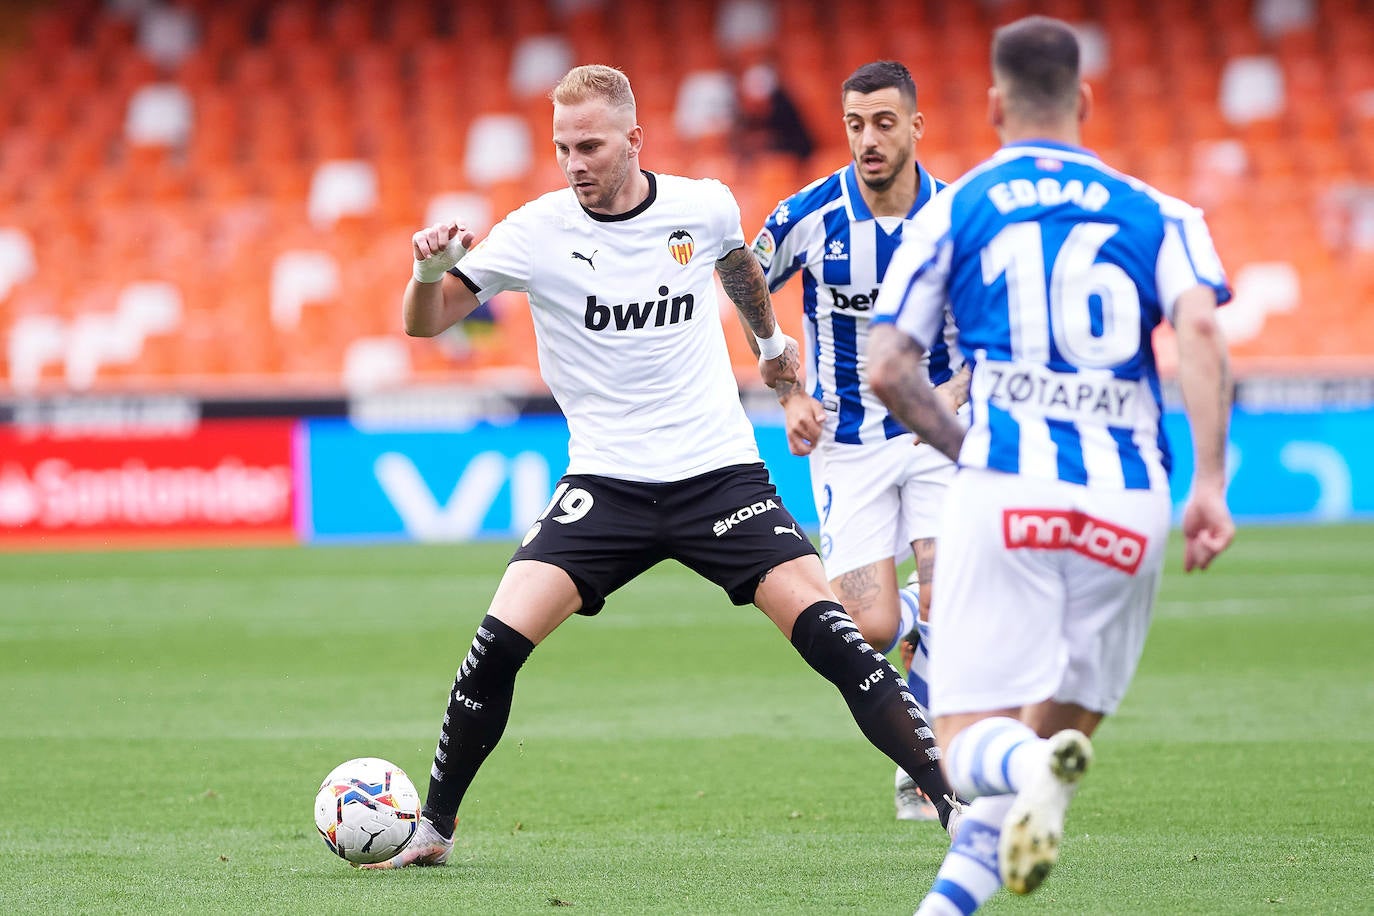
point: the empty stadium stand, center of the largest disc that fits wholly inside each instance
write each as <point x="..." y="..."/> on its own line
<point x="218" y="196"/>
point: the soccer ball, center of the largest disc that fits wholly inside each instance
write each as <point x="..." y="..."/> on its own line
<point x="367" y="810"/>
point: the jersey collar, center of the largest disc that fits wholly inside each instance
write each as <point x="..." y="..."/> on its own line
<point x="639" y="208"/>
<point x="1051" y="144"/>
<point x="858" y="207"/>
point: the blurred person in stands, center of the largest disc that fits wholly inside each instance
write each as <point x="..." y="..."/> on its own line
<point x="878" y="492"/>
<point x="1056" y="269"/>
<point x="620" y="270"/>
<point x="766" y="118"/>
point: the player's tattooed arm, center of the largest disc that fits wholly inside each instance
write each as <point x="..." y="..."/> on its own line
<point x="896" y="376"/>
<point x="743" y="281"/>
<point x="924" y="551"/>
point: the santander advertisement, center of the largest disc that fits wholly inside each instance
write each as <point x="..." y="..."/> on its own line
<point x="228" y="480"/>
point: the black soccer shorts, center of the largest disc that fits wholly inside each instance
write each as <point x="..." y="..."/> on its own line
<point x="730" y="526"/>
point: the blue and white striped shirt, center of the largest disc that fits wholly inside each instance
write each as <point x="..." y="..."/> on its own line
<point x="827" y="230"/>
<point x="1056" y="269"/>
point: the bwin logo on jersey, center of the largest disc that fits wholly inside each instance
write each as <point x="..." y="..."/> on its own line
<point x="636" y="315"/>
<point x="834" y="251"/>
<point x="743" y="514"/>
<point x="680" y="246"/>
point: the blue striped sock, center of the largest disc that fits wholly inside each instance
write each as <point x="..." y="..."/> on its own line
<point x="923" y="627"/>
<point x="993" y="757"/>
<point x="968" y="877"/>
<point x="908" y="604"/>
<point x="918" y="675"/>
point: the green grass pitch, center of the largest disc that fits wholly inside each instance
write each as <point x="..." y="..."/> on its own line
<point x="167" y="717"/>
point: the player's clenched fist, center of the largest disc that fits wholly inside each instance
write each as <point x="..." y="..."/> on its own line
<point x="438" y="248"/>
<point x="783" y="368"/>
<point x="804" y="418"/>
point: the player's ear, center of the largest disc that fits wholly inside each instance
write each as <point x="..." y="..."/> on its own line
<point x="1085" y="101"/>
<point x="636" y="138"/>
<point x="918" y="126"/>
<point x="996" y="109"/>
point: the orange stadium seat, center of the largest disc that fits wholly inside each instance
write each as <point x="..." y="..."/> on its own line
<point x="278" y="88"/>
<point x="224" y="29"/>
<point x="53" y="32"/>
<point x="401" y="25"/>
<point x="348" y="25"/>
<point x="198" y="72"/>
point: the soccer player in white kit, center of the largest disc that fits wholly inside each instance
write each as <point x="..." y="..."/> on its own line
<point x="1056" y="269"/>
<point x="620" y="272"/>
<point x="878" y="493"/>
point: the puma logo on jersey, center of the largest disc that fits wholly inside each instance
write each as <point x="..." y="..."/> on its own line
<point x="779" y="529"/>
<point x="636" y="315"/>
<point x="579" y="256"/>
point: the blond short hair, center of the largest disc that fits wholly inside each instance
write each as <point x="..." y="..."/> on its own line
<point x="594" y="81"/>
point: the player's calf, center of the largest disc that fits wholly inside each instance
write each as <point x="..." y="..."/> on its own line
<point x="478" y="709"/>
<point x="877" y="696"/>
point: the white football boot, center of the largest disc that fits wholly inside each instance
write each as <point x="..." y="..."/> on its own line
<point x="427" y="847"/>
<point x="1034" y="825"/>
<point x="911" y="802"/>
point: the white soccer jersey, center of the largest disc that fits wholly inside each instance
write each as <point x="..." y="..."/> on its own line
<point x="1056" y="268"/>
<point x="827" y="231"/>
<point x="628" y="327"/>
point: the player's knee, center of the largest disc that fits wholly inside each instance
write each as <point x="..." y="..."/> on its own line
<point x="875" y="611"/>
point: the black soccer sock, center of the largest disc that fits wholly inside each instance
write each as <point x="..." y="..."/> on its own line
<point x="478" y="708"/>
<point x="886" y="712"/>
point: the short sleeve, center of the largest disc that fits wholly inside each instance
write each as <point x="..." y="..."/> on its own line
<point x="727" y="212"/>
<point x="502" y="260"/>
<point x="776" y="248"/>
<point x="1187" y="258"/>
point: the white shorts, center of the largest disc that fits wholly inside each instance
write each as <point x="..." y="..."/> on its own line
<point x="874" y="500"/>
<point x="1043" y="589"/>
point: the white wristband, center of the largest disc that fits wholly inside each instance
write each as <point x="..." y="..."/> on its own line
<point x="772" y="347"/>
<point x="433" y="268"/>
<point x="425" y="272"/>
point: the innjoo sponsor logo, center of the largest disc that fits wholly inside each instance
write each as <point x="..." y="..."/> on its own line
<point x="1056" y="529"/>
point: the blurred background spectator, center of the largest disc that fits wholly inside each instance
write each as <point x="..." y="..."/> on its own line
<point x="768" y="121"/>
